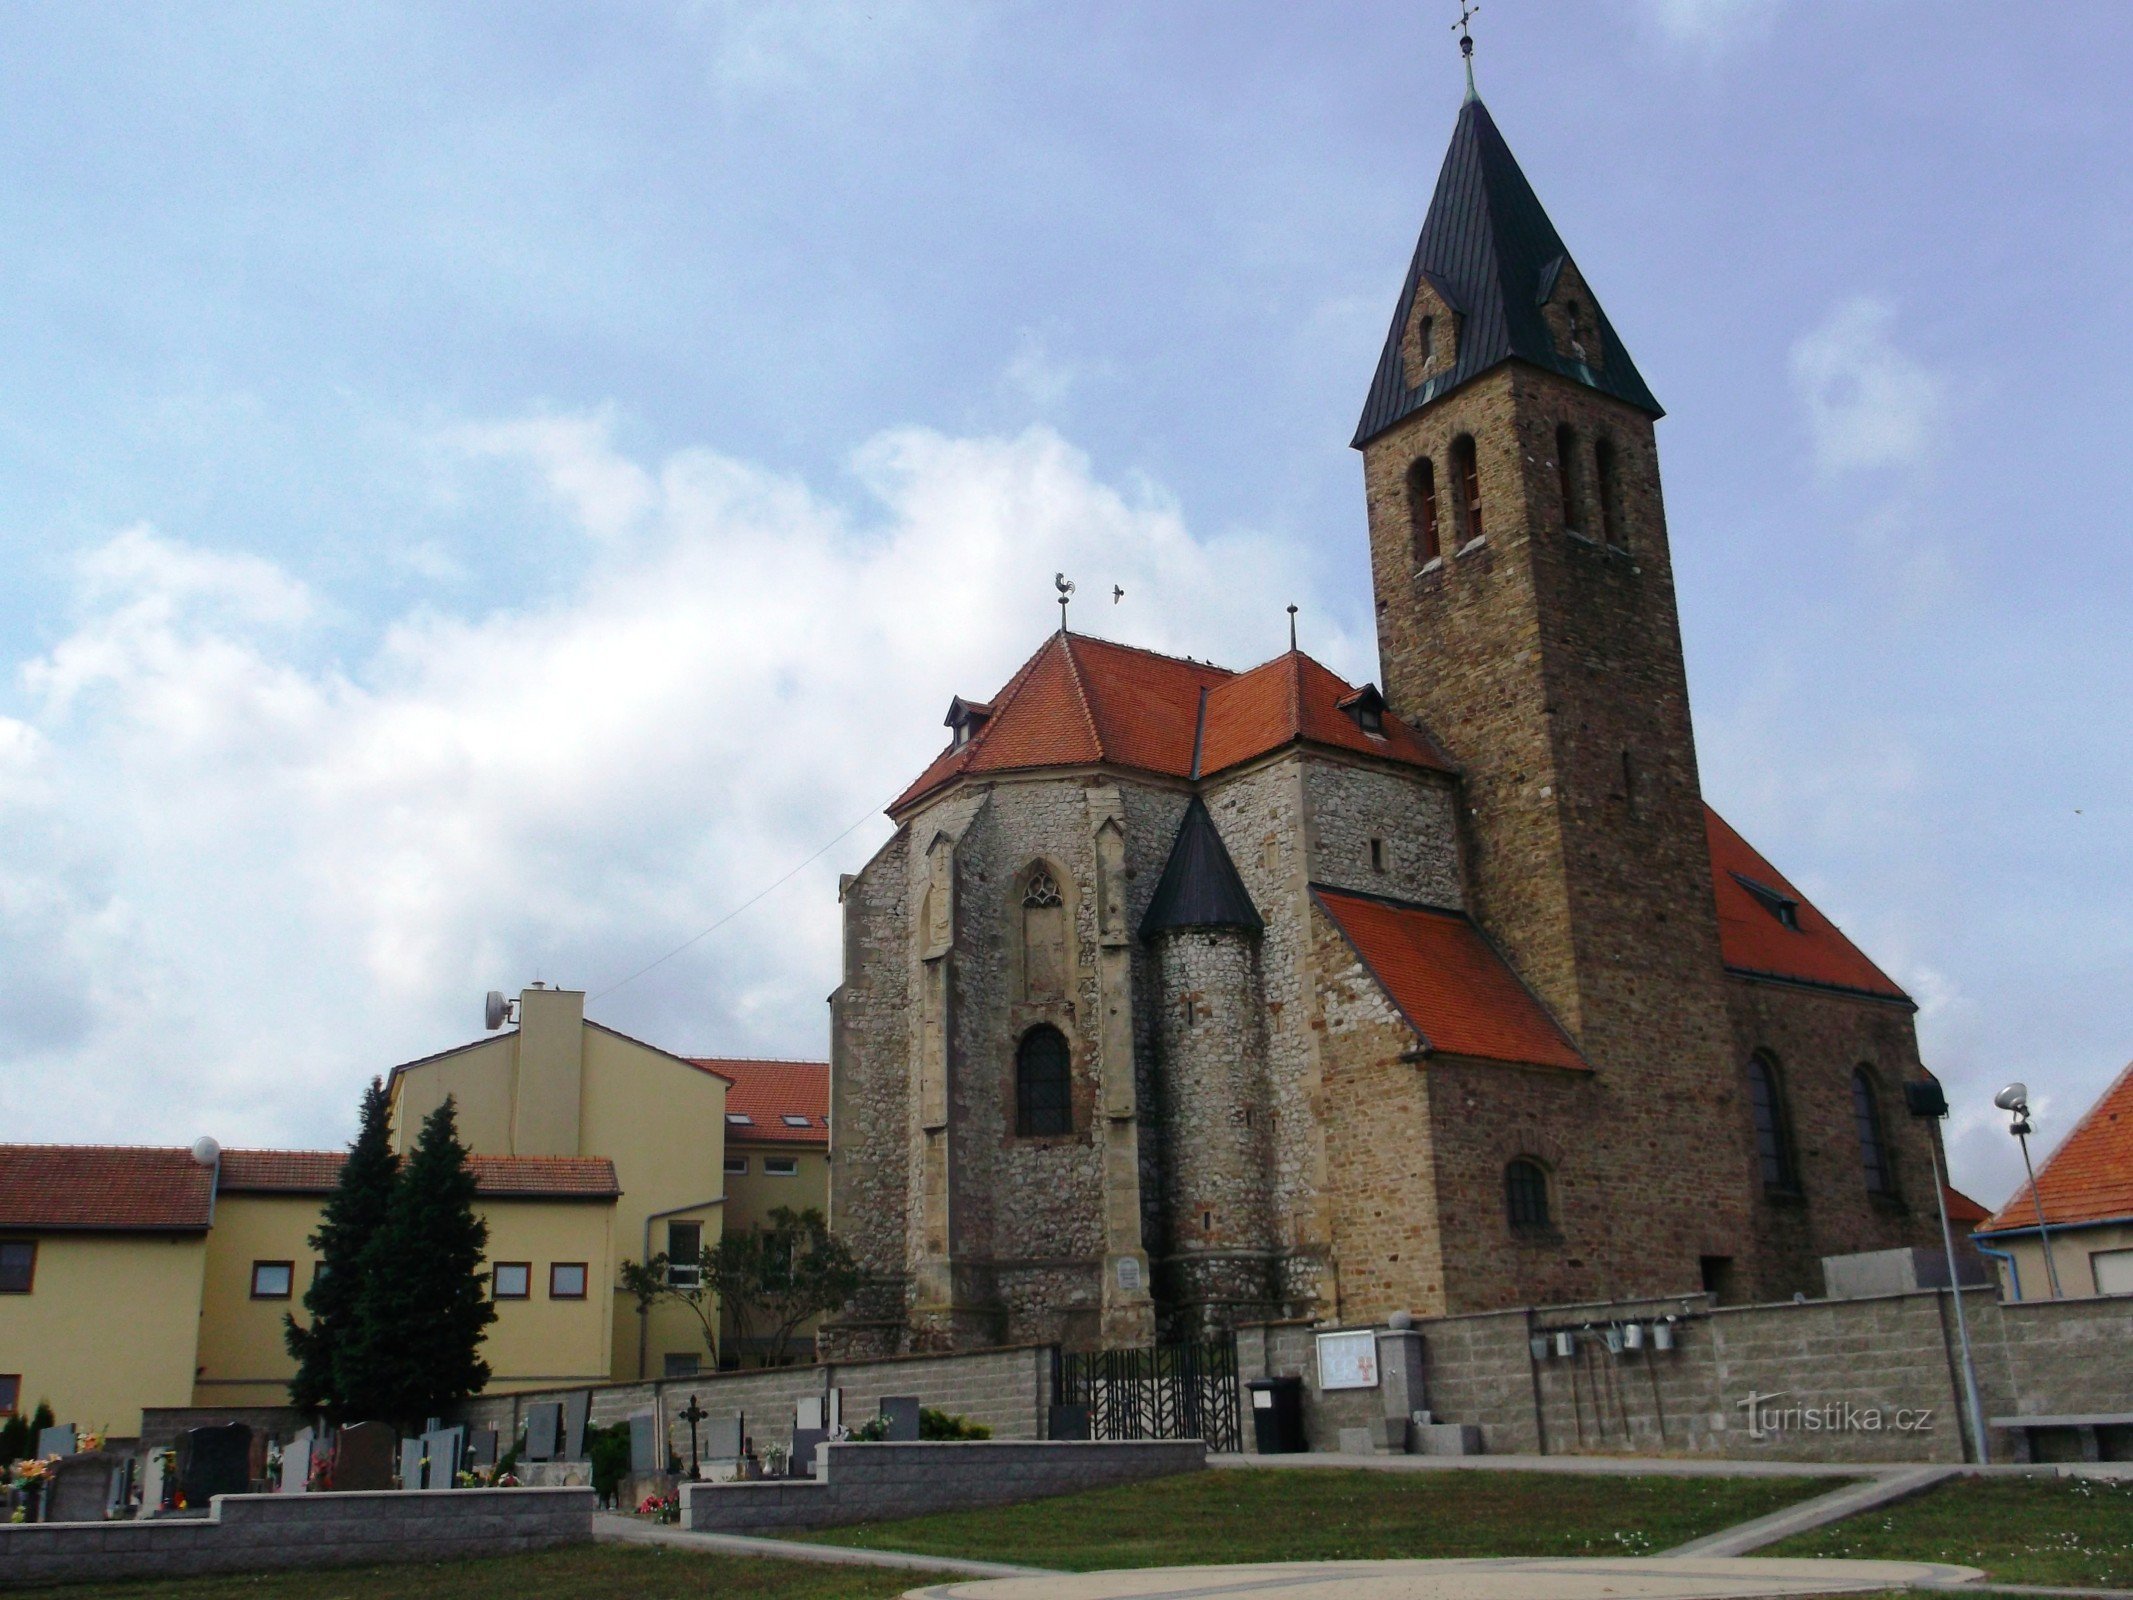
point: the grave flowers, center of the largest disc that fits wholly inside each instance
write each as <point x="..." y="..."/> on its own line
<point x="665" y="1508"/>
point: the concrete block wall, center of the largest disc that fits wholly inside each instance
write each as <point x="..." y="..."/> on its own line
<point x="256" y="1532"/>
<point x="877" y="1482"/>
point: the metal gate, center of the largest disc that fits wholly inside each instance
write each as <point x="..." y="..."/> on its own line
<point x="1173" y="1391"/>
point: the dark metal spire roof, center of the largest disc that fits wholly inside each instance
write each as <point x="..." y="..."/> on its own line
<point x="1490" y="251"/>
<point x="1200" y="887"/>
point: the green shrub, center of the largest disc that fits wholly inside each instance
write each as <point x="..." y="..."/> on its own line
<point x="939" y="1425"/>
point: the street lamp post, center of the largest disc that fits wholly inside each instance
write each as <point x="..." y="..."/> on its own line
<point x="2014" y="1099"/>
<point x="1926" y="1100"/>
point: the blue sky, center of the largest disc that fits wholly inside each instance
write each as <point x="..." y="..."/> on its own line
<point x="485" y="490"/>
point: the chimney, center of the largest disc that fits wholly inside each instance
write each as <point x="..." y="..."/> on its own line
<point x="551" y="1071"/>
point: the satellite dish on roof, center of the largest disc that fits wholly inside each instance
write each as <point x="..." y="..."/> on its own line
<point x="495" y="1011"/>
<point x="205" y="1151"/>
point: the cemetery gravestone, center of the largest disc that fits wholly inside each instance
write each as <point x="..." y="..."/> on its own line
<point x="152" y="1485"/>
<point x="808" y="1413"/>
<point x="577" y="1413"/>
<point x="410" y="1463"/>
<point x="363" y="1457"/>
<point x="804" y="1441"/>
<point x="295" y="1467"/>
<point x="644" y="1444"/>
<point x="481" y="1450"/>
<point x="442" y="1446"/>
<point x="57" y="1441"/>
<point x="722" y="1439"/>
<point x="543" y="1422"/>
<point x="214" y="1461"/>
<point x="902" y="1412"/>
<point x="81" y="1487"/>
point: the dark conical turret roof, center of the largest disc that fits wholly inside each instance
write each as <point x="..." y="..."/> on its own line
<point x="1490" y="251"/>
<point x="1200" y="887"/>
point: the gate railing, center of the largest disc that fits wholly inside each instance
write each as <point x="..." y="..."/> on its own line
<point x="1173" y="1391"/>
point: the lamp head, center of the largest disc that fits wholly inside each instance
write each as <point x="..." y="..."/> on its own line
<point x="2015" y="1098"/>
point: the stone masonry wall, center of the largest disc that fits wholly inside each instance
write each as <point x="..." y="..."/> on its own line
<point x="1414" y="816"/>
<point x="261" y="1532"/>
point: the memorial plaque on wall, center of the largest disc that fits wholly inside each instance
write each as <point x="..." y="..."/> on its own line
<point x="1348" y="1360"/>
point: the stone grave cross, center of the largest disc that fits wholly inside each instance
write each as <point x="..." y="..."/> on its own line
<point x="694" y="1414"/>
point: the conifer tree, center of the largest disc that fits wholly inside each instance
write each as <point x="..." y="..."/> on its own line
<point x="353" y="1214"/>
<point x="424" y="1304"/>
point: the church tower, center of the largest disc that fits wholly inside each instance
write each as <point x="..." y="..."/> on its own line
<point x="1526" y="620"/>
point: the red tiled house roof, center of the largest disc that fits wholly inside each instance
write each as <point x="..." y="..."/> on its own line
<point x="767" y="1093"/>
<point x="496" y="1177"/>
<point x="2089" y="1178"/>
<point x="1964" y="1213"/>
<point x="1454" y="990"/>
<point x="103" y="1188"/>
<point x="1754" y="938"/>
<point x="1081" y="701"/>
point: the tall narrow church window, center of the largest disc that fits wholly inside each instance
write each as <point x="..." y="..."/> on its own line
<point x="1422" y="509"/>
<point x="1043" y="1093"/>
<point x="1466" y="467"/>
<point x="1044" y="952"/>
<point x="1427" y="342"/>
<point x="1525" y="1194"/>
<point x="1566" y="474"/>
<point x="1773" y="1142"/>
<point x="1603" y="462"/>
<point x="1873" y="1147"/>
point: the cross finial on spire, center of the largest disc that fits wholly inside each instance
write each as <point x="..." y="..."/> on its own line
<point x="1466" y="44"/>
<point x="1292" y="630"/>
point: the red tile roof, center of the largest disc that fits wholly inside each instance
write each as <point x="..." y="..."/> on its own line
<point x="1455" y="991"/>
<point x="1081" y="701"/>
<point x="2089" y="1178"/>
<point x="1752" y="939"/>
<point x="1964" y="1213"/>
<point x="107" y="1188"/>
<point x="767" y="1092"/>
<point x="498" y="1177"/>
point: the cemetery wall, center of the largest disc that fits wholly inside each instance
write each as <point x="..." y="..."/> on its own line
<point x="1875" y="1379"/>
<point x="1009" y="1390"/>
<point x="253" y="1532"/>
<point x="872" y="1482"/>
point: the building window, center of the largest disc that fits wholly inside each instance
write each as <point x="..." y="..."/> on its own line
<point x="1603" y="465"/>
<point x="1377" y="855"/>
<point x="781" y="1166"/>
<point x="1775" y="901"/>
<point x="273" y="1280"/>
<point x="1525" y="1194"/>
<point x="736" y="1166"/>
<point x="1426" y="342"/>
<point x="794" y="1121"/>
<point x="1466" y="468"/>
<point x="512" y="1280"/>
<point x="1566" y="474"/>
<point x="685" y="1251"/>
<point x="1043" y="1095"/>
<point x="1422" y="510"/>
<point x="10" y="1393"/>
<point x="18" y="1265"/>
<point x="1873" y="1147"/>
<point x="1044" y="931"/>
<point x="683" y="1364"/>
<point x="566" y="1280"/>
<point x="739" y="1119"/>
<point x="2112" y="1269"/>
<point x="1773" y="1141"/>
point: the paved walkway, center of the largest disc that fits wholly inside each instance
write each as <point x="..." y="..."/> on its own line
<point x="613" y="1529"/>
<point x="1604" y="1466"/>
<point x="1531" y="1579"/>
<point x="1805" y="1517"/>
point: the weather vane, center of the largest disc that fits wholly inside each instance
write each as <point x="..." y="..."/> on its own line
<point x="1466" y="43"/>
<point x="1065" y="586"/>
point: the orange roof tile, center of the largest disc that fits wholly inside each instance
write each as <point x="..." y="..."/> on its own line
<point x="1964" y="1213"/>
<point x="1754" y="941"/>
<point x="498" y="1177"/>
<point x="767" y="1093"/>
<point x="106" y="1188"/>
<point x="1455" y="991"/>
<point x="2089" y="1178"/>
<point x="1080" y="701"/>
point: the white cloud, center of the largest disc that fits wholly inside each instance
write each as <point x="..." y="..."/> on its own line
<point x="237" y="876"/>
<point x="1868" y="403"/>
<point x="1710" y="25"/>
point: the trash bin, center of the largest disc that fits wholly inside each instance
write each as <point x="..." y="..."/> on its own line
<point x="1278" y="1415"/>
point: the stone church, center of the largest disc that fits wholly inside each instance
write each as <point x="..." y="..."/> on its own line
<point x="1183" y="997"/>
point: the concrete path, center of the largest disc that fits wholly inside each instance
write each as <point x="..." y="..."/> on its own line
<point x="1819" y="1512"/>
<point x="1530" y="1579"/>
<point x="1602" y="1466"/>
<point x="612" y="1529"/>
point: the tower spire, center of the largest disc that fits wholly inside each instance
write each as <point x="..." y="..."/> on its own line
<point x="1466" y="45"/>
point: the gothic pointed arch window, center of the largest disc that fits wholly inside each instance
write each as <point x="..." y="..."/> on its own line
<point x="1044" y="1101"/>
<point x="1422" y="510"/>
<point x="1525" y="1195"/>
<point x="1873" y="1139"/>
<point x="1773" y="1133"/>
<point x="1044" y="935"/>
<point x="1426" y="342"/>
<point x="1566" y="475"/>
<point x="1606" y="470"/>
<point x="1466" y="474"/>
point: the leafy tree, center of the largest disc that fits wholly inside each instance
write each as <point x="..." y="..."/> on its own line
<point x="770" y="1279"/>
<point x="423" y="1307"/>
<point x="15" y="1440"/>
<point x="353" y="1214"/>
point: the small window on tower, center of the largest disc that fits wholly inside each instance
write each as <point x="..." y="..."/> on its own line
<point x="1466" y="469"/>
<point x="1604" y="469"/>
<point x="1422" y="510"/>
<point x="1377" y="855"/>
<point x="1566" y="475"/>
<point x="1426" y="341"/>
<point x="1525" y="1195"/>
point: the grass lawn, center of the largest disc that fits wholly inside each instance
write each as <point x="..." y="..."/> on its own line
<point x="582" y="1572"/>
<point x="2068" y="1532"/>
<point x="1266" y="1514"/>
